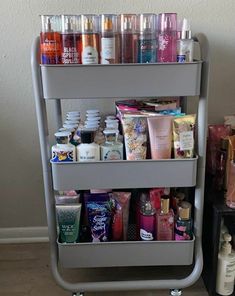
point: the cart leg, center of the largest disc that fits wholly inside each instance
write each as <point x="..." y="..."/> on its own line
<point x="175" y="292"/>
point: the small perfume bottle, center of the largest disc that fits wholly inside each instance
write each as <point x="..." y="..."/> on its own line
<point x="147" y="43"/>
<point x="230" y="195"/>
<point x="185" y="44"/>
<point x="129" y="38"/>
<point x="147" y="221"/>
<point x="88" y="150"/>
<point x="50" y="42"/>
<point x="165" y="220"/>
<point x="63" y="150"/>
<point x="90" y="48"/>
<point x="109" y="41"/>
<point x="112" y="149"/>
<point x="70" y="39"/>
<point x="167" y="37"/>
<point x="183" y="224"/>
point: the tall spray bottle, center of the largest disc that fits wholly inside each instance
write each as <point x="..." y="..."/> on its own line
<point x="226" y="268"/>
<point x="70" y="39"/>
<point x="109" y="41"/>
<point x="90" y="47"/>
<point x="147" y="43"/>
<point x="185" y="44"/>
<point x="129" y="38"/>
<point x="50" y="43"/>
<point x="167" y="37"/>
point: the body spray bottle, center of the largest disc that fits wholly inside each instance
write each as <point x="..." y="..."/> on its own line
<point x="147" y="43"/>
<point x="109" y="41"/>
<point x="147" y="221"/>
<point x="165" y="220"/>
<point x="50" y="43"/>
<point x="90" y="39"/>
<point x="167" y="37"/>
<point x="129" y="38"/>
<point x="70" y="40"/>
<point x="185" y="44"/>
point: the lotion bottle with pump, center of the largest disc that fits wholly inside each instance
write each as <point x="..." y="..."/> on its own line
<point x="226" y="268"/>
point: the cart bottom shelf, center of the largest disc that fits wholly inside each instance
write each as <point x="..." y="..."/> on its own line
<point x="128" y="253"/>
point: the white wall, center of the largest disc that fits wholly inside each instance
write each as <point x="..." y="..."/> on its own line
<point x="21" y="186"/>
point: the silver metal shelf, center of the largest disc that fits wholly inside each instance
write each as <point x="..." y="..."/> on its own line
<point x="124" y="80"/>
<point x="124" y="174"/>
<point x="126" y="253"/>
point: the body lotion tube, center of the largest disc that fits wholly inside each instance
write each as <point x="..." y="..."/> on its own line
<point x="160" y="135"/>
<point x="68" y="217"/>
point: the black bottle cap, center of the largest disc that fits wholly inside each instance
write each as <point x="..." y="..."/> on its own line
<point x="87" y="136"/>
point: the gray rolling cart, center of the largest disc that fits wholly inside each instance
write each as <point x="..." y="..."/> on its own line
<point x="56" y="82"/>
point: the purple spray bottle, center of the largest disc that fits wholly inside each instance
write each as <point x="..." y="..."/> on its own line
<point x="147" y="221"/>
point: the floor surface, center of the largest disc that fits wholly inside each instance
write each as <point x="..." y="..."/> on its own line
<point x="25" y="271"/>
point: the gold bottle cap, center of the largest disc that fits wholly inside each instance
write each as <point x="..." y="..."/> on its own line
<point x="165" y="204"/>
<point x="184" y="210"/>
<point x="108" y="24"/>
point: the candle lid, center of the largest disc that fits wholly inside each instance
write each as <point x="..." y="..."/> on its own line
<point x="62" y="137"/>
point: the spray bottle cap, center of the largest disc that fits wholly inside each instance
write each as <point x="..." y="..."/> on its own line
<point x="226" y="248"/>
<point x="186" y="32"/>
<point x="147" y="208"/>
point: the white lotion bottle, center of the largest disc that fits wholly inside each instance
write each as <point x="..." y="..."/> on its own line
<point x="225" y="268"/>
<point x="88" y="150"/>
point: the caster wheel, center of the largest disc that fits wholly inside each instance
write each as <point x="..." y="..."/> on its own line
<point x="175" y="292"/>
<point x="78" y="294"/>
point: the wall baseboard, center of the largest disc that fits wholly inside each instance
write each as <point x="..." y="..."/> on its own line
<point x="23" y="235"/>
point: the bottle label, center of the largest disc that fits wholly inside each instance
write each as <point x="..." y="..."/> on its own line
<point x="167" y="47"/>
<point x="69" y="54"/>
<point x="107" y="50"/>
<point x="183" y="230"/>
<point x="147" y="236"/>
<point x="88" y="155"/>
<point x="112" y="155"/>
<point x="147" y="49"/>
<point x="89" y="55"/>
<point x="50" y="52"/>
<point x="62" y="155"/>
<point x="186" y="140"/>
<point x="181" y="58"/>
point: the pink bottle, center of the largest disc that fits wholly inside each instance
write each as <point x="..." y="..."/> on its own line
<point x="165" y="220"/>
<point x="147" y="221"/>
<point x="167" y="37"/>
<point x="230" y="196"/>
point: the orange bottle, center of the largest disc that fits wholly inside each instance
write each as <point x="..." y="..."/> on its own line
<point x="50" y="40"/>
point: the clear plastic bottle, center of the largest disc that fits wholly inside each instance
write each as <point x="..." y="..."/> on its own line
<point x="90" y="47"/>
<point x="50" y="40"/>
<point x="226" y="268"/>
<point x="70" y="39"/>
<point x="109" y="41"/>
<point x="167" y="37"/>
<point x="185" y="44"/>
<point x="147" y="43"/>
<point x="129" y="38"/>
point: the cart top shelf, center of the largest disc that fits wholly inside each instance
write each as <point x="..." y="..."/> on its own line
<point x="121" y="80"/>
